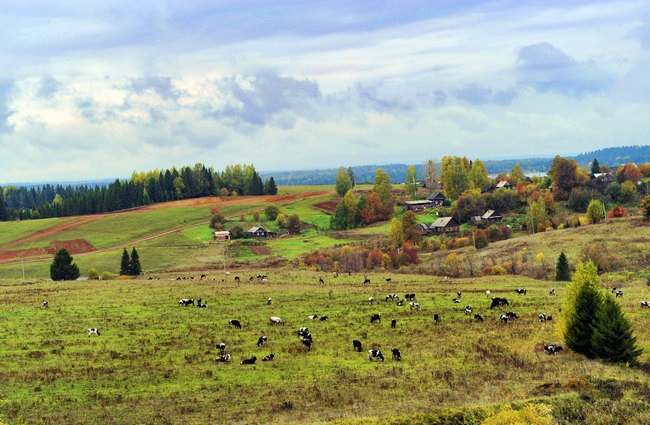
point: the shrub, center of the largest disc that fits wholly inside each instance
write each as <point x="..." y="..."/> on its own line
<point x="531" y="414"/>
<point x="271" y="212"/>
<point x="108" y="276"/>
<point x="595" y="211"/>
<point x="617" y="212"/>
<point x="645" y="207"/>
<point x="93" y="274"/>
<point x="498" y="270"/>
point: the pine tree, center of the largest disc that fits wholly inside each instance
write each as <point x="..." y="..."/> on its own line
<point x="270" y="188"/>
<point x="134" y="267"/>
<point x="62" y="267"/>
<point x="595" y="167"/>
<point x="580" y="326"/>
<point x="613" y="338"/>
<point x="125" y="265"/>
<point x="3" y="211"/>
<point x="562" y="272"/>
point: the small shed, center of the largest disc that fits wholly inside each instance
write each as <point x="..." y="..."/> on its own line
<point x="504" y="184"/>
<point x="222" y="235"/>
<point x="436" y="199"/>
<point x="491" y="216"/>
<point x="416" y="206"/>
<point x="445" y="225"/>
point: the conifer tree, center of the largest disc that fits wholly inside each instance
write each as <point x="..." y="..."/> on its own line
<point x="125" y="265"/>
<point x="580" y="326"/>
<point x="3" y="210"/>
<point x="613" y="338"/>
<point x="62" y="267"/>
<point x="269" y="187"/>
<point x="135" y="268"/>
<point x="595" y="167"/>
<point x="562" y="272"/>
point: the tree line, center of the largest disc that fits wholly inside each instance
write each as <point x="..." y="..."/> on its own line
<point x="142" y="188"/>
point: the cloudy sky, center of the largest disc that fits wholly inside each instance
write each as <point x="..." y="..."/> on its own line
<point x="97" y="89"/>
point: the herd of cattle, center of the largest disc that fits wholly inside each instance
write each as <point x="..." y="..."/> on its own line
<point x="307" y="340"/>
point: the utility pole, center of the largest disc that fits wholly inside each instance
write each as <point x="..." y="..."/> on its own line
<point x="22" y="261"/>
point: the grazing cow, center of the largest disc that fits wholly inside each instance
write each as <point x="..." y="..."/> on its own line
<point x="335" y="275"/>
<point x="478" y="317"/>
<point x="45" y="304"/>
<point x="468" y="310"/>
<point x="93" y="331"/>
<point x="459" y="294"/>
<point x="409" y="297"/>
<point x="553" y="348"/>
<point x="366" y="280"/>
<point x="185" y="302"/>
<point x="511" y="315"/>
<point x="304" y="335"/>
<point x="400" y="303"/>
<point x="203" y="276"/>
<point x="456" y="300"/>
<point x="268" y="358"/>
<point x="314" y="317"/>
<point x="234" y="323"/>
<point x="375" y="354"/>
<point x="543" y="317"/>
<point x="303" y="331"/>
<point x="320" y="280"/>
<point x="356" y="344"/>
<point x="503" y="318"/>
<point x="223" y="359"/>
<point x="487" y="293"/>
<point x="227" y="273"/>
<point x="619" y="294"/>
<point x="323" y="318"/>
<point x="396" y="354"/>
<point x="392" y="297"/>
<point x="273" y="320"/>
<point x="416" y="306"/>
<point x="149" y="278"/>
<point x="613" y="289"/>
<point x="521" y="291"/>
<point x="435" y="318"/>
<point x="178" y="278"/>
<point x="307" y="343"/>
<point x="268" y="302"/>
<point x="252" y="360"/>
<point x="371" y="300"/>
<point x="237" y="279"/>
<point x="551" y="292"/>
<point x="375" y="318"/>
<point x="222" y="347"/>
<point x="199" y="305"/>
<point x="262" y="341"/>
<point x="252" y="278"/>
<point x="393" y="323"/>
<point x="498" y="302"/>
<point x="645" y="304"/>
<point x="388" y="279"/>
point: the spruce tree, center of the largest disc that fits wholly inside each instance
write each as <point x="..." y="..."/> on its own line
<point x="580" y="326"/>
<point x="125" y="265"/>
<point x="3" y="211"/>
<point x="595" y="167"/>
<point x="562" y="272"/>
<point x="134" y="268"/>
<point x="62" y="267"/>
<point x="613" y="338"/>
<point x="270" y="188"/>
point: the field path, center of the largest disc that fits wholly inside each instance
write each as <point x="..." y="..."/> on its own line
<point x="206" y="201"/>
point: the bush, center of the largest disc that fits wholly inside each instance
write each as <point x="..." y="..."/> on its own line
<point x="108" y="276"/>
<point x="531" y="414"/>
<point x="498" y="270"/>
<point x="271" y="212"/>
<point x="645" y="207"/>
<point x="93" y="274"/>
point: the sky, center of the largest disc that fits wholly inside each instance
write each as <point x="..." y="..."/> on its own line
<point x="98" y="89"/>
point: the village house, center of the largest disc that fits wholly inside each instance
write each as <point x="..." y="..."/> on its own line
<point x="221" y="236"/>
<point x="491" y="216"/>
<point x="423" y="229"/>
<point x="260" y="232"/>
<point x="445" y="225"/>
<point x="436" y="199"/>
<point x="504" y="184"/>
<point x="417" y="206"/>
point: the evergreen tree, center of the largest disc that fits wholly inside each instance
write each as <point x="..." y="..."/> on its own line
<point x="62" y="267"/>
<point x="562" y="272"/>
<point x="269" y="187"/>
<point x="613" y="338"/>
<point x="595" y="167"/>
<point x="580" y="326"/>
<point x="134" y="266"/>
<point x="3" y="211"/>
<point x="125" y="265"/>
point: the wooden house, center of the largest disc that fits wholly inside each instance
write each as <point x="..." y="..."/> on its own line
<point x="260" y="232"/>
<point x="436" y="199"/>
<point x="221" y="236"/>
<point x="445" y="225"/>
<point x="504" y="184"/>
<point x="491" y="216"/>
<point x="416" y="206"/>
<point x="423" y="229"/>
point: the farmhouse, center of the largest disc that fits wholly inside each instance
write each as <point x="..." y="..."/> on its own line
<point x="260" y="232"/>
<point x="221" y="236"/>
<point x="423" y="229"/>
<point x="491" y="216"/>
<point x="436" y="199"/>
<point x="504" y="184"/>
<point x="416" y="206"/>
<point x="444" y="225"/>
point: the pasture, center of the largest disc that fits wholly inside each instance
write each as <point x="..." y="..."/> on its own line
<point x="154" y="360"/>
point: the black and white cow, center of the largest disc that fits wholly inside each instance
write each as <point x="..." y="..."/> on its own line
<point x="199" y="305"/>
<point x="503" y="318"/>
<point x="186" y="301"/>
<point x="268" y="357"/>
<point x="459" y="294"/>
<point x="305" y="335"/>
<point x="203" y="276"/>
<point x="263" y="340"/>
<point x="392" y="297"/>
<point x="335" y="275"/>
<point x="478" y="317"/>
<point x="273" y="320"/>
<point x="356" y="344"/>
<point x="456" y="300"/>
<point x="234" y="323"/>
<point x="396" y="354"/>
<point x="370" y="300"/>
<point x="400" y="303"/>
<point x="415" y="306"/>
<point x="393" y="323"/>
<point x="512" y="315"/>
<point x="366" y="280"/>
<point x="409" y="297"/>
<point x="498" y="302"/>
<point x="551" y="292"/>
<point x="619" y="294"/>
<point x="93" y="331"/>
<point x="645" y="304"/>
<point x="468" y="310"/>
<point x="435" y="318"/>
<point x="314" y="317"/>
<point x="553" y="348"/>
<point x="521" y="291"/>
<point x="543" y="317"/>
<point x="487" y="293"/>
<point x="320" y="280"/>
<point x="222" y="347"/>
<point x="268" y="302"/>
<point x="388" y="279"/>
<point x="252" y="360"/>
<point x="223" y="359"/>
<point x="375" y="354"/>
<point x="46" y="304"/>
<point x="376" y="317"/>
<point x="307" y="343"/>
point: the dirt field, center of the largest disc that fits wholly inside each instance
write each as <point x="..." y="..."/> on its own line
<point x="327" y="206"/>
<point x="260" y="250"/>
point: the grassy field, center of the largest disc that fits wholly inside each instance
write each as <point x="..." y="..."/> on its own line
<point x="11" y="231"/>
<point x="153" y="362"/>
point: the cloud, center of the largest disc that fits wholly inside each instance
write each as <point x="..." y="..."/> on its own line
<point x="543" y="56"/>
<point x="160" y="85"/>
<point x="6" y="86"/>
<point x="479" y="95"/>
<point x="48" y="87"/>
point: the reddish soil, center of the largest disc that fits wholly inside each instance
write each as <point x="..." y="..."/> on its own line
<point x="260" y="250"/>
<point x="327" y="206"/>
<point x="77" y="246"/>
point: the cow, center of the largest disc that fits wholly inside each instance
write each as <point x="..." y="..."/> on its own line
<point x="185" y="302"/>
<point x="487" y="294"/>
<point x="268" y="302"/>
<point x="435" y="318"/>
<point x="468" y="310"/>
<point x="223" y="359"/>
<point x="511" y="315"/>
<point x="478" y="317"/>
<point x="370" y="300"/>
<point x="307" y="343"/>
<point x="459" y="294"/>
<point x="263" y="340"/>
<point x="323" y="318"/>
<point x="234" y="323"/>
<point x="268" y="358"/>
<point x="503" y="318"/>
<point x="45" y="304"/>
<point x="222" y="347"/>
<point x="393" y="323"/>
<point x="553" y="348"/>
<point x="305" y="335"/>
<point x="400" y="303"/>
<point x="388" y="279"/>
<point x="335" y="275"/>
<point x="375" y="354"/>
<point x="416" y="306"/>
<point x="252" y="278"/>
<point x="356" y="345"/>
<point x="366" y="280"/>
<point x="498" y="302"/>
<point x="543" y="317"/>
<point x="645" y="304"/>
<point x="320" y="280"/>
<point x="551" y="292"/>
<point x="273" y="320"/>
<point x="409" y="297"/>
<point x="619" y="294"/>
<point x="392" y="297"/>
<point x="203" y="276"/>
<point x="93" y="331"/>
<point x="237" y="279"/>
<point x="521" y="291"/>
<point x="314" y="317"/>
<point x="396" y="354"/>
<point x="199" y="305"/>
<point x="456" y="300"/>
<point x="252" y="360"/>
<point x="376" y="317"/>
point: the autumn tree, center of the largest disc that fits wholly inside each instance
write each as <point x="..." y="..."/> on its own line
<point x="628" y="172"/>
<point x="271" y="212"/>
<point x="342" y="182"/>
<point x="517" y="175"/>
<point x="383" y="187"/>
<point x="478" y="175"/>
<point x="395" y="234"/>
<point x="430" y="175"/>
<point x="293" y="222"/>
<point x="411" y="180"/>
<point x="409" y="229"/>
<point x="455" y="178"/>
<point x="565" y="175"/>
<point x="595" y="211"/>
<point x="627" y="193"/>
<point x="351" y="206"/>
<point x="645" y="207"/>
